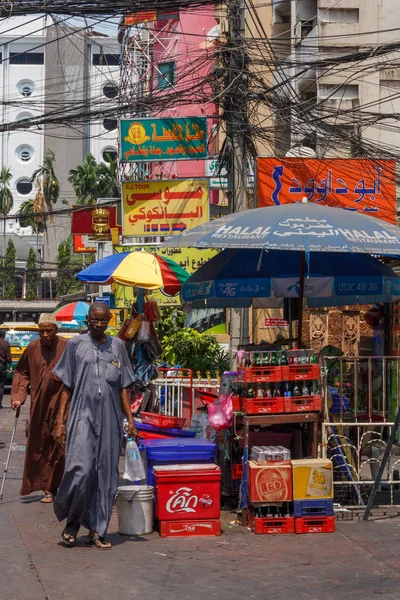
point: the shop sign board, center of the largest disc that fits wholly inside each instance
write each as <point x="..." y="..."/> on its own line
<point x="161" y="208"/>
<point x="365" y="186"/>
<point x="94" y="221"/>
<point x="163" y="139"/>
<point x="271" y="322"/>
<point x="80" y="245"/>
<point x="218" y="176"/>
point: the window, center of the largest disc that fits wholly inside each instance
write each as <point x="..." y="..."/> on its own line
<point x="110" y="90"/>
<point x="26" y="58"/>
<point x="109" y="154"/>
<point x="166" y="75"/>
<point x="24" y="186"/>
<point x="24" y="119"/>
<point x="110" y="124"/>
<point x="110" y="60"/>
<point x="338" y="92"/>
<point x="26" y="88"/>
<point x="24" y="153"/>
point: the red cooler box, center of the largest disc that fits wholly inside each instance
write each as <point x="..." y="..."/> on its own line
<point x="187" y="492"/>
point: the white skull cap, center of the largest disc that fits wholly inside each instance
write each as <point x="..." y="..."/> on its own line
<point x="47" y="318"/>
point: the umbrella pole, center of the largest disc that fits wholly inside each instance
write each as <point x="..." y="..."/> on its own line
<point x="301" y="299"/>
<point x="140" y="311"/>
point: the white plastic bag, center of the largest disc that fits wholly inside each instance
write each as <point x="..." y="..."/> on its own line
<point x="134" y="468"/>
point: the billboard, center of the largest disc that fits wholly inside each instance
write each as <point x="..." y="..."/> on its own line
<point x="365" y="186"/>
<point x="163" y="139"/>
<point x="158" y="208"/>
<point x="94" y="220"/>
<point x="190" y="259"/>
<point x="80" y="245"/>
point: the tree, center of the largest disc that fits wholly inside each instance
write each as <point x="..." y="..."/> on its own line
<point x="6" y="198"/>
<point x="67" y="266"/>
<point x="9" y="274"/>
<point x="26" y="217"/>
<point x="31" y="276"/>
<point x="92" y="180"/>
<point x="47" y="183"/>
<point x="196" y="351"/>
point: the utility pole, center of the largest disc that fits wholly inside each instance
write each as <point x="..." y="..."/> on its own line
<point x="235" y="61"/>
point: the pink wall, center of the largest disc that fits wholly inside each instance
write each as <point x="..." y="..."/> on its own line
<point x="184" y="41"/>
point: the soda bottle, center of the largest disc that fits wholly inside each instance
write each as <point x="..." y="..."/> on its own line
<point x="265" y="360"/>
<point x="296" y="390"/>
<point x="313" y="359"/>
<point x="269" y="392"/>
<point x="277" y="391"/>
<point x="304" y="389"/>
<point x="260" y="391"/>
<point x="250" y="391"/>
<point x="274" y="362"/>
<point x="247" y="362"/>
<point x="288" y="391"/>
<point x="256" y="361"/>
<point x="284" y="358"/>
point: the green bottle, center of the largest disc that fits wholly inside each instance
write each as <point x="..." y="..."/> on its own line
<point x="274" y="362"/>
<point x="284" y="358"/>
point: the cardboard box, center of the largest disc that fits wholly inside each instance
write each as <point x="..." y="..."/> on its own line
<point x="312" y="479"/>
<point x="269" y="483"/>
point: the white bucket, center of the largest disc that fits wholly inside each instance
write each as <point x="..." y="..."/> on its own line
<point x="135" y="509"/>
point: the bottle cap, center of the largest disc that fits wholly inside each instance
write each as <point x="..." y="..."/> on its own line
<point x="130" y="439"/>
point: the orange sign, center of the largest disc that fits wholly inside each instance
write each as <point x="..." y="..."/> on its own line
<point x="80" y="247"/>
<point x="144" y="16"/>
<point x="365" y="186"/>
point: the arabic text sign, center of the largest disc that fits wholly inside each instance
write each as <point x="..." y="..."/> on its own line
<point x="218" y="175"/>
<point x="189" y="259"/>
<point x="365" y="186"/>
<point x="271" y="322"/>
<point x="163" y="139"/>
<point x="154" y="208"/>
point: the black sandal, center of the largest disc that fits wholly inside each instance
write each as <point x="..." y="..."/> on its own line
<point x="69" y="537"/>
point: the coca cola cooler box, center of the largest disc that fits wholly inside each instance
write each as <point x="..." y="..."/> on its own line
<point x="175" y="451"/>
<point x="270" y="483"/>
<point x="187" y="492"/>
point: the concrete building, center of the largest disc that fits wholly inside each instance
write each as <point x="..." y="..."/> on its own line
<point x="51" y="68"/>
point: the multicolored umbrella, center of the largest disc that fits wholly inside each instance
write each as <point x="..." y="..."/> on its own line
<point x="77" y="311"/>
<point x="139" y="269"/>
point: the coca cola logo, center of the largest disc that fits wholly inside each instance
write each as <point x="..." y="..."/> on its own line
<point x="183" y="500"/>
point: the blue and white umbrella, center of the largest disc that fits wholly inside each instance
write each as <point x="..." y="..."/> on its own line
<point x="234" y="278"/>
<point x="305" y="227"/>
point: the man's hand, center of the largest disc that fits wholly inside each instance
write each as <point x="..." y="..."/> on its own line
<point x="15" y="404"/>
<point x="10" y="370"/>
<point x="59" y="434"/>
<point x="132" y="431"/>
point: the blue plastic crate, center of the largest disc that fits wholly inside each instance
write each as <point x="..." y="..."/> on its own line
<point x="313" y="508"/>
<point x="176" y="451"/>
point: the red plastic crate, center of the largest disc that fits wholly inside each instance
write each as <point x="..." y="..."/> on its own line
<point x="151" y="435"/>
<point x="259" y="374"/>
<point x="190" y="528"/>
<point x="271" y="525"/>
<point x="236" y="403"/>
<point x="303" y="404"/>
<point x="163" y="421"/>
<point x="262" y="406"/>
<point x="314" y="525"/>
<point x="300" y="372"/>
<point x="237" y="471"/>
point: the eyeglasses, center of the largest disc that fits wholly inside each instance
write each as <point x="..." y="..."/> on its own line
<point x="102" y="321"/>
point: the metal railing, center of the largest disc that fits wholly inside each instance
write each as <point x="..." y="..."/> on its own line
<point x="361" y="399"/>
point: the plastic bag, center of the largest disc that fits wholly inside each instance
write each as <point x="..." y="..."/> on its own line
<point x="220" y="413"/>
<point x="134" y="468"/>
<point x="144" y="331"/>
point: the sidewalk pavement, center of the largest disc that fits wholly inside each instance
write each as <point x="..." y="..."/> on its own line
<point x="360" y="561"/>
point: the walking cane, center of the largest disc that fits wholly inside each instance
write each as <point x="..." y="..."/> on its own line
<point x="9" y="451"/>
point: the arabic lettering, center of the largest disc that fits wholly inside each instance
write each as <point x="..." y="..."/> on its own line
<point x="320" y="190"/>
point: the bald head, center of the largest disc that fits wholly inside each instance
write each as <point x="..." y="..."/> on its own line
<point x="99" y="307"/>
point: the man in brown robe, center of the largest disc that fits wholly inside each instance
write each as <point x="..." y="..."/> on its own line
<point x="44" y="457"/>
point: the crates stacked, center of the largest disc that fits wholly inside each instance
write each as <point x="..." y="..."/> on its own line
<point x="289" y="383"/>
<point x="270" y="490"/>
<point x="313" y="496"/>
<point x="188" y="500"/>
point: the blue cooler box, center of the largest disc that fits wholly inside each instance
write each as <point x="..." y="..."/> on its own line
<point x="185" y="433"/>
<point x="176" y="451"/>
